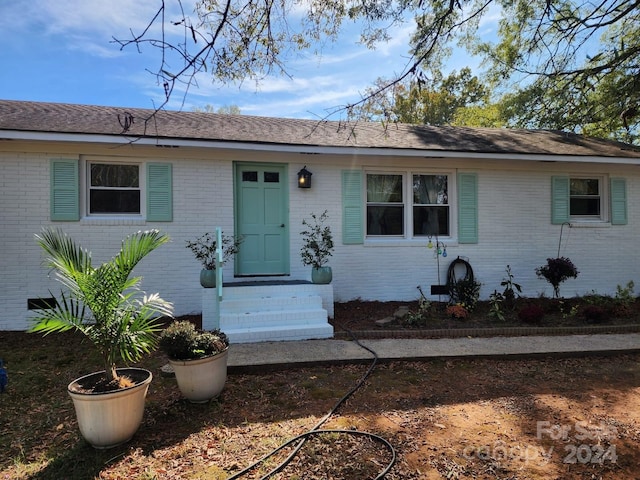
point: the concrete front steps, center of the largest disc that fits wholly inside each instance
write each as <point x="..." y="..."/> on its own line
<point x="260" y="312"/>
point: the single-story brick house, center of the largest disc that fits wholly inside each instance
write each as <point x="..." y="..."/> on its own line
<point x="495" y="197"/>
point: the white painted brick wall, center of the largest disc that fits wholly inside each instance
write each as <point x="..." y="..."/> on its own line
<point x="514" y="229"/>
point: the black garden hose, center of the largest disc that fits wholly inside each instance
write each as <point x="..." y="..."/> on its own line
<point x="451" y="274"/>
<point x="301" y="439"/>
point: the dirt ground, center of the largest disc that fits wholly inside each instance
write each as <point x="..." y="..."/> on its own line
<point x="544" y="418"/>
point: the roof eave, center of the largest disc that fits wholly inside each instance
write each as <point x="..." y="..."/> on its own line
<point x="304" y="149"/>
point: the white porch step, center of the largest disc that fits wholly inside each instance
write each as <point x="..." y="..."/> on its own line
<point x="284" y="316"/>
<point x="271" y="303"/>
<point x="277" y="334"/>
<point x="266" y="312"/>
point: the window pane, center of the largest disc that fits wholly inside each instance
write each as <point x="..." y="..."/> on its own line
<point x="430" y="189"/>
<point x="114" y="201"/>
<point x="584" y="198"/>
<point x="385" y="220"/>
<point x="584" y="186"/>
<point x="271" y="177"/>
<point x="585" y="206"/>
<point x="249" y="176"/>
<point x="114" y="175"/>
<point x="431" y="221"/>
<point x="384" y="188"/>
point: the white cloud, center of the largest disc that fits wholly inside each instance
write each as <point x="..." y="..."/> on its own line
<point x="80" y="25"/>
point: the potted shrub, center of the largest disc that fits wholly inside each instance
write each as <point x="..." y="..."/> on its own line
<point x="104" y="304"/>
<point x="317" y="247"/>
<point x="199" y="360"/>
<point x="204" y="249"/>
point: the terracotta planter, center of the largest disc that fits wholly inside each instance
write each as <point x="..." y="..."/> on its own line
<point x="111" y="418"/>
<point x="321" y="275"/>
<point x="201" y="379"/>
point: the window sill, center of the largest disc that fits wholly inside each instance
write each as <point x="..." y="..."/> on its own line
<point x="407" y="242"/>
<point x="112" y="221"/>
<point x="588" y="224"/>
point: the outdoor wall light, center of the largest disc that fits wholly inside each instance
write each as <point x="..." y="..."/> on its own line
<point x="304" y="178"/>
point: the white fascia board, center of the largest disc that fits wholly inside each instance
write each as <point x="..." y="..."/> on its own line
<point x="305" y="149"/>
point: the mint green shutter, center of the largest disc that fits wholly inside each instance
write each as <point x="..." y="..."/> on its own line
<point x="159" y="192"/>
<point x="618" y="201"/>
<point x="352" y="204"/>
<point x="559" y="200"/>
<point x="65" y="190"/>
<point x="467" y="208"/>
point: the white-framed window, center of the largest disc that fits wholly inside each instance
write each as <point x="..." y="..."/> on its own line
<point x="106" y="188"/>
<point x="113" y="188"/>
<point x="587" y="198"/>
<point x="408" y="204"/>
<point x="431" y="209"/>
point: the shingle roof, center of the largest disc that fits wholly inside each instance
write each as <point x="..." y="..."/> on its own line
<point x="100" y="120"/>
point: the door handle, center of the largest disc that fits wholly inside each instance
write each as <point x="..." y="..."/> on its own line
<point x="282" y="225"/>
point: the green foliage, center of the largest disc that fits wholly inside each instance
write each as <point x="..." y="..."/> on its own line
<point x="568" y="309"/>
<point x="181" y="341"/>
<point x="624" y="295"/>
<point x="512" y="290"/>
<point x="104" y="302"/>
<point x="466" y="293"/>
<point x="433" y="102"/>
<point x="317" y="241"/>
<point x="204" y="249"/>
<point x="421" y="316"/>
<point x="496" y="299"/>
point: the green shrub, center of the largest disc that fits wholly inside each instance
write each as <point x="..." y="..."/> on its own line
<point x="181" y="341"/>
<point x="465" y="293"/>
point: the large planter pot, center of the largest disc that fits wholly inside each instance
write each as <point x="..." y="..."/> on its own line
<point x="111" y="418"/>
<point x="208" y="278"/>
<point x="321" y="275"/>
<point x="201" y="379"/>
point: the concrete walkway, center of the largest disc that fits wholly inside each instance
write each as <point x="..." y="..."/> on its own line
<point x="276" y="355"/>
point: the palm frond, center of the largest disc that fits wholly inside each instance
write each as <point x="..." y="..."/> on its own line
<point x="104" y="303"/>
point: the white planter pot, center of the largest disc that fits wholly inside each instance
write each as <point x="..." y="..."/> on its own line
<point x="201" y="379"/>
<point x="111" y="418"/>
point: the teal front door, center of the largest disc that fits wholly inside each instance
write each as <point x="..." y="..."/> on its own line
<point x="262" y="219"/>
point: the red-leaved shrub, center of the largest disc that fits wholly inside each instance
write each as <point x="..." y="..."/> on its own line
<point x="531" y="314"/>
<point x="594" y="313"/>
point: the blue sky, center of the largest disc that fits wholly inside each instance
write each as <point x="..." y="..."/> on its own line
<point x="62" y="51"/>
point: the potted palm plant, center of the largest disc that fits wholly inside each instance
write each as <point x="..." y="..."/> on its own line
<point x="199" y="360"/>
<point x="204" y="249"/>
<point x="317" y="247"/>
<point x="104" y="304"/>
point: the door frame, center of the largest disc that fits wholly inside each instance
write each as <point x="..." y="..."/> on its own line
<point x="286" y="261"/>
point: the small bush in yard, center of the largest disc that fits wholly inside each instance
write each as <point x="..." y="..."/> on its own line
<point x="457" y="311"/>
<point x="624" y="300"/>
<point x="531" y="314"/>
<point x="594" y="313"/>
<point x="556" y="271"/>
